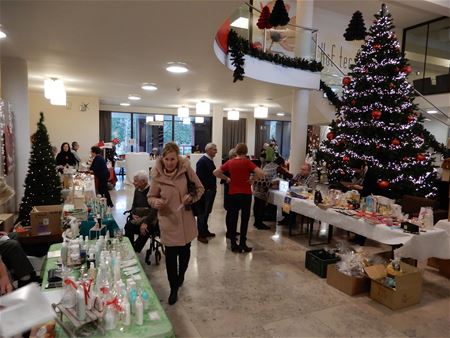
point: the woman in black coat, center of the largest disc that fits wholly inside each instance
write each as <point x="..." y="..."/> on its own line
<point x="65" y="156"/>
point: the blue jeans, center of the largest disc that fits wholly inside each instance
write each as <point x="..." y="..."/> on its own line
<point x="202" y="220"/>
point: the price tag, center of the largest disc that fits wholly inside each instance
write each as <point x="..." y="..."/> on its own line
<point x="287" y="205"/>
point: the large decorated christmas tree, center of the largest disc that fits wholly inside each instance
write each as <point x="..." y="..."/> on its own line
<point x="378" y="121"/>
<point x="42" y="184"/>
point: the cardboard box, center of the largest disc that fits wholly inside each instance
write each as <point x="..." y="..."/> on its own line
<point x="443" y="265"/>
<point x="46" y="220"/>
<point x="6" y="222"/>
<point x="347" y="284"/>
<point x="408" y="289"/>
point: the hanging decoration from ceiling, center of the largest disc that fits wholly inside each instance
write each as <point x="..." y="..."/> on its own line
<point x="279" y="15"/>
<point x="356" y="29"/>
<point x="264" y="19"/>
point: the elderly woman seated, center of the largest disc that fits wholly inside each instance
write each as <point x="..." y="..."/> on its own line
<point x="142" y="216"/>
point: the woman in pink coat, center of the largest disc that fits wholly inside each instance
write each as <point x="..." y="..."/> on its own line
<point x="169" y="194"/>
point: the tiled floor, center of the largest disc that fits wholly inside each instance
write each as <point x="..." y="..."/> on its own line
<point x="268" y="293"/>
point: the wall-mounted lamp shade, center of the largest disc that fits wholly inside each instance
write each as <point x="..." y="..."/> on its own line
<point x="261" y="112"/>
<point x="183" y="112"/>
<point x="159" y="118"/>
<point x="233" y="115"/>
<point x="57" y="94"/>
<point x="202" y="108"/>
<point x="199" y="119"/>
<point x="186" y="120"/>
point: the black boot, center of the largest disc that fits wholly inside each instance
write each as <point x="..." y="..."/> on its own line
<point x="245" y="248"/>
<point x="235" y="247"/>
<point x="173" y="297"/>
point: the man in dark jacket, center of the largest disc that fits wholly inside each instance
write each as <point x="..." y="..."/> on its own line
<point x="101" y="174"/>
<point x="205" y="168"/>
<point x="143" y="216"/>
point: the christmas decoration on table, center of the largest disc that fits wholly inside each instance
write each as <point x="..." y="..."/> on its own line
<point x="238" y="47"/>
<point x="377" y="112"/>
<point x="42" y="184"/>
<point x="279" y="15"/>
<point x="264" y="19"/>
<point x="356" y="29"/>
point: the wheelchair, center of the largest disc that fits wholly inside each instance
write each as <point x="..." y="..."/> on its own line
<point x="155" y="245"/>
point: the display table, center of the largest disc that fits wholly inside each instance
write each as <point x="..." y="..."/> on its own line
<point x="135" y="162"/>
<point x="158" y="326"/>
<point x="432" y="243"/>
<point x="110" y="225"/>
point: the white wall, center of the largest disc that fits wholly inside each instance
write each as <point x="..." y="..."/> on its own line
<point x="67" y="124"/>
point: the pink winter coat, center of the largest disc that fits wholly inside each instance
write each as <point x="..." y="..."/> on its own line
<point x="177" y="227"/>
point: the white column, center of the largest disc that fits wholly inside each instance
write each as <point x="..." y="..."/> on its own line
<point x="250" y="127"/>
<point x="300" y="105"/>
<point x="15" y="90"/>
<point x="217" y="132"/>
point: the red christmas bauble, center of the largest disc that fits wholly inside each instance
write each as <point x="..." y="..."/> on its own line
<point x="383" y="184"/>
<point x="346" y="159"/>
<point x="353" y="102"/>
<point x="410" y="118"/>
<point x="346" y="80"/>
<point x="330" y="136"/>
<point x="407" y="69"/>
<point x="395" y="142"/>
<point x="420" y="157"/>
<point x="376" y="114"/>
<point x="341" y="172"/>
<point x="377" y="46"/>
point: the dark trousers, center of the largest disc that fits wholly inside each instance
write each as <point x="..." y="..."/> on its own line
<point x="259" y="207"/>
<point x="243" y="203"/>
<point x="134" y="229"/>
<point x="177" y="261"/>
<point x="103" y="190"/>
<point x="15" y="259"/>
<point x="202" y="220"/>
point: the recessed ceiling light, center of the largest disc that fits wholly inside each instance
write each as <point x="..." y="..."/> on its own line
<point x="281" y="114"/>
<point x="2" y="33"/>
<point x="432" y="111"/>
<point x="134" y="97"/>
<point x="176" y="67"/>
<point x="125" y="104"/>
<point x="149" y="86"/>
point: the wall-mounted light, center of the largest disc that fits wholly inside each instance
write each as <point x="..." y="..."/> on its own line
<point x="261" y="112"/>
<point x="55" y="91"/>
<point x="233" y="115"/>
<point x="183" y="112"/>
<point x="159" y="118"/>
<point x="202" y="108"/>
<point x="199" y="119"/>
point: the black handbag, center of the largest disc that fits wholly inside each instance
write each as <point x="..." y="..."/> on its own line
<point x="197" y="207"/>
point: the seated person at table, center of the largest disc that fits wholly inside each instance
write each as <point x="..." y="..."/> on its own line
<point x="143" y="216"/>
<point x="154" y="154"/>
<point x="305" y="177"/>
<point x="16" y="260"/>
<point x="65" y="156"/>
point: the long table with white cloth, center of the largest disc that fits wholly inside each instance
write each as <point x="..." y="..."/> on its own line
<point x="434" y="242"/>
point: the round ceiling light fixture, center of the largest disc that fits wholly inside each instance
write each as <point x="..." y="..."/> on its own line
<point x="134" y="97"/>
<point x="150" y="86"/>
<point x="124" y="104"/>
<point x="177" y="67"/>
<point x="281" y="114"/>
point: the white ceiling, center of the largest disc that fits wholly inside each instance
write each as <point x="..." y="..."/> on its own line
<point x="108" y="48"/>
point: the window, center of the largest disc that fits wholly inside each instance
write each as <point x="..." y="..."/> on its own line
<point x="121" y="128"/>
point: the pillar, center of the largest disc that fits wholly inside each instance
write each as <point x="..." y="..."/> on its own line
<point x="250" y="133"/>
<point x="217" y="132"/>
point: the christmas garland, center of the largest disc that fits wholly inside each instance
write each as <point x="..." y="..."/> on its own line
<point x="238" y="47"/>
<point x="331" y="96"/>
<point x="431" y="142"/>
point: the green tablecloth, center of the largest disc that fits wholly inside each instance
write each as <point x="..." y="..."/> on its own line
<point x="152" y="328"/>
<point x="110" y="225"/>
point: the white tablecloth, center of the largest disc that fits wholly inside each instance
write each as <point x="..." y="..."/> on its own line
<point x="433" y="243"/>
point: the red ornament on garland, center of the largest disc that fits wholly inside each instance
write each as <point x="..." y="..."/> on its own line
<point x="420" y="157"/>
<point x="395" y="142"/>
<point x="346" y="80"/>
<point x="383" y="184"/>
<point x="330" y="136"/>
<point x="407" y="69"/>
<point x="346" y="159"/>
<point x="376" y="114"/>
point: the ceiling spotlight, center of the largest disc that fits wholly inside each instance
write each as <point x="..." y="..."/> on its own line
<point x="124" y="104"/>
<point x="432" y="111"/>
<point x="261" y="112"/>
<point x="134" y="97"/>
<point x="202" y="108"/>
<point x="199" y="119"/>
<point x="176" y="67"/>
<point x="2" y="33"/>
<point x="149" y="86"/>
<point x="281" y="114"/>
<point x="183" y="112"/>
<point x="233" y="115"/>
<point x="159" y="118"/>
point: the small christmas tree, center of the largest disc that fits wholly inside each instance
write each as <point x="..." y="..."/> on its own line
<point x="279" y="15"/>
<point x="356" y="29"/>
<point x="42" y="184"/>
<point x="378" y="121"/>
<point x="264" y="18"/>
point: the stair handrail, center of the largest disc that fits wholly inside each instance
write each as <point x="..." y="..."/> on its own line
<point x="431" y="103"/>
